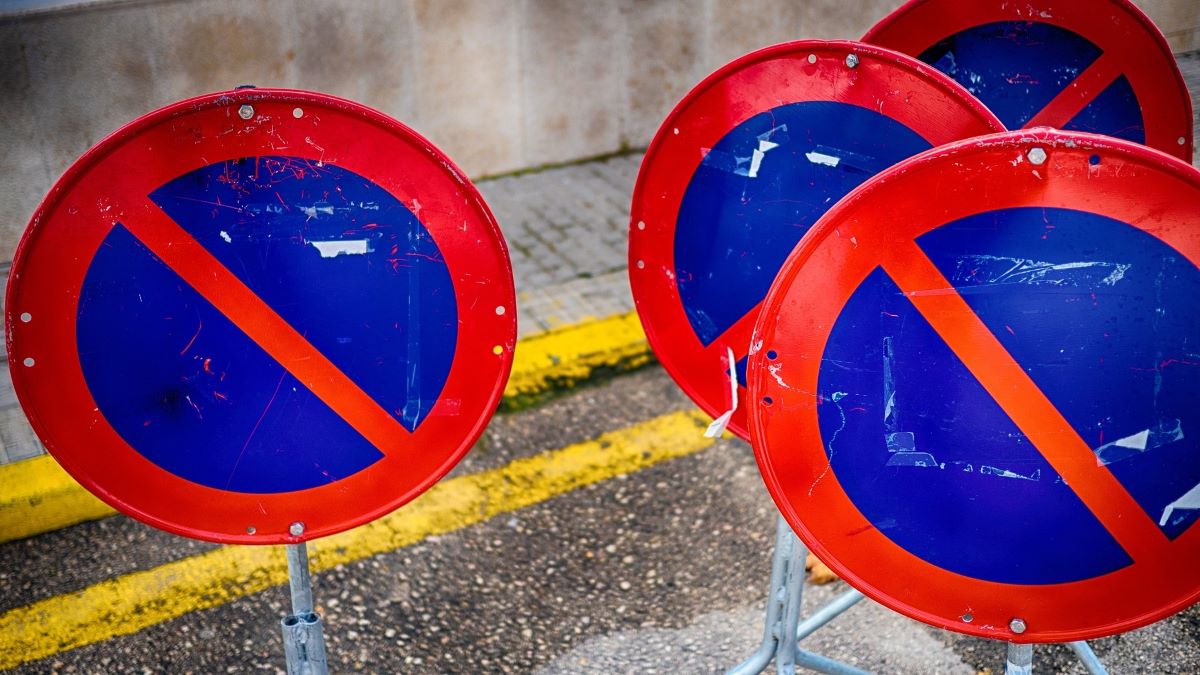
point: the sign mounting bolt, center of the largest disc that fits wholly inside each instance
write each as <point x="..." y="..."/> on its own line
<point x="297" y="529"/>
<point x="246" y="111"/>
<point x="1017" y="626"/>
<point x="852" y="60"/>
<point x="1037" y="156"/>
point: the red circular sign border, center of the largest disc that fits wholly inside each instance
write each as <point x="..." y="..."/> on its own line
<point x="943" y="18"/>
<point x="866" y="558"/>
<point x="651" y="250"/>
<point x="68" y="420"/>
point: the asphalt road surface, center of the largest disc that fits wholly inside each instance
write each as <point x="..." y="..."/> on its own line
<point x="661" y="570"/>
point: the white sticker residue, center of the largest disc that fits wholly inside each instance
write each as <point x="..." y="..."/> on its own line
<point x="718" y="425"/>
<point x="332" y="249"/>
<point x="823" y="159"/>
<point x="757" y="157"/>
<point x="1133" y="445"/>
<point x="312" y="211"/>
<point x="1189" y="501"/>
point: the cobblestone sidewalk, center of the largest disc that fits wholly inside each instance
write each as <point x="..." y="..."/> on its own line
<point x="566" y="231"/>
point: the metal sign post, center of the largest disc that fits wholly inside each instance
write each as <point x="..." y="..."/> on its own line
<point x="303" y="635"/>
<point x="1019" y="659"/>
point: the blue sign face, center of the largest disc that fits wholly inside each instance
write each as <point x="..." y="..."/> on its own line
<point x="336" y="256"/>
<point x="1101" y="315"/>
<point x="1017" y="68"/>
<point x="760" y="189"/>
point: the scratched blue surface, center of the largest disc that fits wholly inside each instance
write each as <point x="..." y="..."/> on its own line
<point x="190" y="392"/>
<point x="1101" y="317"/>
<point x="734" y="230"/>
<point x="336" y="256"/>
<point x="1016" y="68"/>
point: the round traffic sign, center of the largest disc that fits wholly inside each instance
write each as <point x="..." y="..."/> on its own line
<point x="1099" y="66"/>
<point x="985" y="408"/>
<point x="260" y="316"/>
<point x="740" y="170"/>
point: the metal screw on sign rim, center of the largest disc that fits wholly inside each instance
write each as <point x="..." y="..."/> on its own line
<point x="246" y="111"/>
<point x="852" y="60"/>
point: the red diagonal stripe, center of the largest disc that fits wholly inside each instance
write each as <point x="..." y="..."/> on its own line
<point x="203" y="272"/>
<point x="1008" y="383"/>
<point x="1083" y="90"/>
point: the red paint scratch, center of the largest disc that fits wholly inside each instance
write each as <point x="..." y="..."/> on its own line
<point x="193" y="340"/>
<point x="414" y="254"/>
<point x="242" y="452"/>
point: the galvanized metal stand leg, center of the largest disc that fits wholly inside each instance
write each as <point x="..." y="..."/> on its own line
<point x="1088" y="658"/>
<point x="782" y="628"/>
<point x="303" y="637"/>
<point x="1020" y="659"/>
<point x="790" y="652"/>
<point x="771" y="626"/>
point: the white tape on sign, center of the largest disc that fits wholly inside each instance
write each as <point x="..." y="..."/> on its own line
<point x="718" y="425"/>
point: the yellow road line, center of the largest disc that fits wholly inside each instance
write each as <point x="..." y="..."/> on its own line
<point x="37" y="496"/>
<point x="130" y="603"/>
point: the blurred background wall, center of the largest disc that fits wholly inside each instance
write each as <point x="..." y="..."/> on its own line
<point x="500" y="85"/>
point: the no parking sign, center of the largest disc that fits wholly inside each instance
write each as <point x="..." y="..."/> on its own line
<point x="258" y="309"/>
<point x="1099" y="66"/>
<point x="977" y="388"/>
<point x="740" y="170"/>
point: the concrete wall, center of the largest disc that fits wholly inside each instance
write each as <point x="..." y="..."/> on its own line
<point x="499" y="85"/>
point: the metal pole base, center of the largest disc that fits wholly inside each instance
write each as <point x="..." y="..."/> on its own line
<point x="303" y="635"/>
<point x="1020" y="659"/>
<point x="782" y="629"/>
<point x="304" y="644"/>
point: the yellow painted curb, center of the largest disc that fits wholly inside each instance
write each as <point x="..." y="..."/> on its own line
<point x="37" y="496"/>
<point x="563" y="357"/>
<point x="130" y="603"/>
